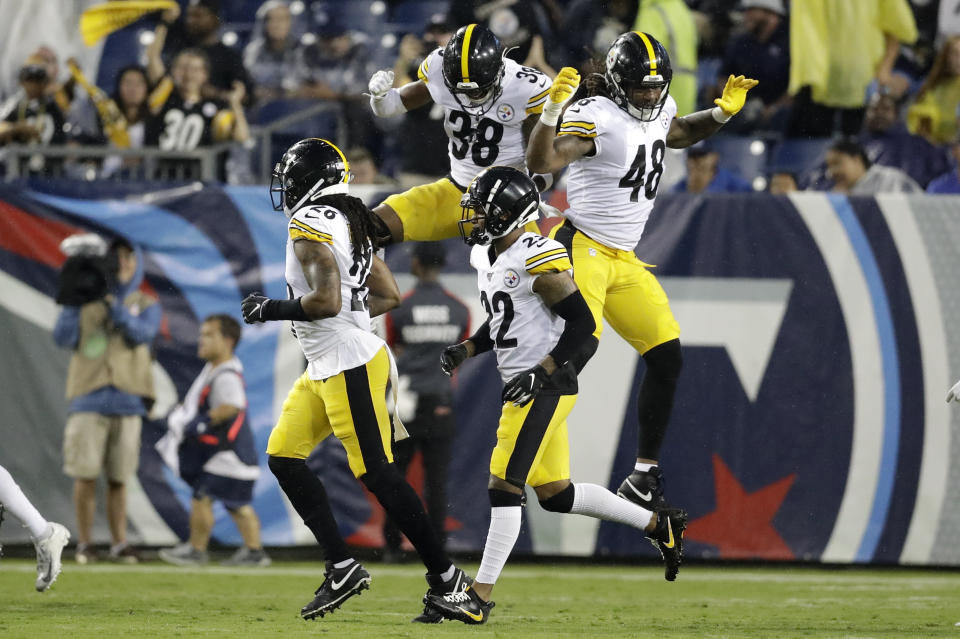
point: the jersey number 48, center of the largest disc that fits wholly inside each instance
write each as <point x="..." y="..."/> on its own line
<point x="637" y="176"/>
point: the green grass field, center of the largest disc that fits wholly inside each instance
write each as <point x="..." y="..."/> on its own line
<point x="533" y="600"/>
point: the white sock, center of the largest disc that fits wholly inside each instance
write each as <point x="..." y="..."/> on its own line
<point x="343" y="564"/>
<point x="644" y="468"/>
<point x="17" y="503"/>
<point x="448" y="574"/>
<point x="598" y="502"/>
<point x="503" y="533"/>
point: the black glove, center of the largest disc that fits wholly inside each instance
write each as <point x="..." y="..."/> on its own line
<point x="524" y="387"/>
<point x="253" y="306"/>
<point x="451" y="357"/>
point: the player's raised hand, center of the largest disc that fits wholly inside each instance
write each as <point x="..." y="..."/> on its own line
<point x="380" y="84"/>
<point x="564" y="85"/>
<point x="563" y="88"/>
<point x="735" y="94"/>
<point x="954" y="394"/>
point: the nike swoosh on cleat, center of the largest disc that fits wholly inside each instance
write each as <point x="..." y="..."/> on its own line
<point x="669" y="543"/>
<point x="337" y="584"/>
<point x="647" y="496"/>
<point x="473" y="616"/>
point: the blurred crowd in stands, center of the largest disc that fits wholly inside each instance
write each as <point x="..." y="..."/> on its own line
<point x="867" y="103"/>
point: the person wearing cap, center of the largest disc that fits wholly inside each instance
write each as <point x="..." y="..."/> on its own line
<point x="200" y="29"/>
<point x="32" y="115"/>
<point x="760" y="51"/>
<point x="427" y="320"/>
<point x="705" y="176"/>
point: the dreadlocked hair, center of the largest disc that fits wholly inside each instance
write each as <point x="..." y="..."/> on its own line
<point x="593" y="85"/>
<point x="363" y="230"/>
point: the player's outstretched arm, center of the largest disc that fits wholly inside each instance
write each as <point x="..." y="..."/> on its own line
<point x="323" y="276"/>
<point x="547" y="153"/>
<point x="387" y="101"/>
<point x="692" y="128"/>
<point x="384" y="292"/>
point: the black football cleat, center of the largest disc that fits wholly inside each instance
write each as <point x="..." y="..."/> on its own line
<point x="645" y="489"/>
<point x="465" y="606"/>
<point x="667" y="537"/>
<point x="459" y="582"/>
<point x="339" y="584"/>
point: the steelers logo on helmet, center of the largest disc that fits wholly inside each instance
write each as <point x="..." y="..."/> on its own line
<point x="310" y="169"/>
<point x="638" y="75"/>
<point x="499" y="200"/>
<point x="473" y="68"/>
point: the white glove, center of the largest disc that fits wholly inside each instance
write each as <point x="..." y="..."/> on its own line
<point x="380" y="84"/>
<point x="548" y="210"/>
<point x="954" y="394"/>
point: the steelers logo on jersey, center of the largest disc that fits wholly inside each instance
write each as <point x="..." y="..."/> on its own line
<point x="511" y="279"/>
<point x="505" y="112"/>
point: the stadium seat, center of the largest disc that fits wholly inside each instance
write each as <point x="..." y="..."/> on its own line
<point x="799" y="156"/>
<point x="412" y="15"/>
<point x="366" y="16"/>
<point x="744" y="155"/>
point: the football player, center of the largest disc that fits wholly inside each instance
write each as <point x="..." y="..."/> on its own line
<point x="541" y="329"/>
<point x="491" y="104"/>
<point x="335" y="284"/>
<point x="614" y="143"/>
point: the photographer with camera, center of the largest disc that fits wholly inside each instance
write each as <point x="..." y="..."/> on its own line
<point x="110" y="325"/>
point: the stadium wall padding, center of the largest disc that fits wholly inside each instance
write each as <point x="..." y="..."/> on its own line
<point x="820" y="334"/>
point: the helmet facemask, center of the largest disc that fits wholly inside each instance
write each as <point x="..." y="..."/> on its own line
<point x="476" y="99"/>
<point x="624" y="90"/>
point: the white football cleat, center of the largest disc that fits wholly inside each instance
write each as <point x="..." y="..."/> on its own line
<point x="49" y="551"/>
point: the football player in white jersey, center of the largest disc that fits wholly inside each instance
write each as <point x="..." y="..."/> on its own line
<point x="491" y="104"/>
<point x="335" y="284"/>
<point x="614" y="143"/>
<point x="541" y="330"/>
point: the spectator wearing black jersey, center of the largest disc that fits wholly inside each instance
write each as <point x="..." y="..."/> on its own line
<point x="428" y="319"/>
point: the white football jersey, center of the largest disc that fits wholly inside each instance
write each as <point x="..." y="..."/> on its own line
<point x="333" y="344"/>
<point x="497" y="137"/>
<point x="523" y="329"/>
<point x="611" y="193"/>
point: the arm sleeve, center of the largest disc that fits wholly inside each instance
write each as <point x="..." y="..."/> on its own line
<point x="66" y="331"/>
<point x="481" y="339"/>
<point x="140" y="328"/>
<point x="577" y="344"/>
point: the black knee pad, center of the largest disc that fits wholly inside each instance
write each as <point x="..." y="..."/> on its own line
<point x="500" y="498"/>
<point x="665" y="360"/>
<point x="382" y="477"/>
<point x="562" y="502"/>
<point x="286" y="469"/>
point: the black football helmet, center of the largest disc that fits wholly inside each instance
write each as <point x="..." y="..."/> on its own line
<point x="473" y="68"/>
<point x="499" y="200"/>
<point x="636" y="61"/>
<point x="309" y="169"/>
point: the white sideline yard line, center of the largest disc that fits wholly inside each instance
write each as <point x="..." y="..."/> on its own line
<point x="642" y="573"/>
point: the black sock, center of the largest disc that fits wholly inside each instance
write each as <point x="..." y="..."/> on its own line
<point x="309" y="498"/>
<point x="405" y="508"/>
<point x="655" y="400"/>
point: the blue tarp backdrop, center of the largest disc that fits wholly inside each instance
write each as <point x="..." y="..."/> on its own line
<point x="810" y="423"/>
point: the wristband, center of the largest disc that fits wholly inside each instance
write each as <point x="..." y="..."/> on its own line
<point x="551" y="113"/>
<point x="284" y="310"/>
<point x="720" y="115"/>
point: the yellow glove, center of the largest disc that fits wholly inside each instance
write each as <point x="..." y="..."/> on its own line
<point x="563" y="88"/>
<point x="734" y="94"/>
